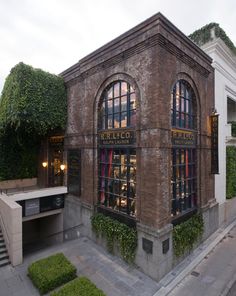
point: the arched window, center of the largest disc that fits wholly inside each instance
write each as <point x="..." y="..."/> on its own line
<point x="183" y="116"/>
<point x="117" y="153"/>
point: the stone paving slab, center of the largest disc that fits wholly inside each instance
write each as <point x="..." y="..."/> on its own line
<point x="109" y="273"/>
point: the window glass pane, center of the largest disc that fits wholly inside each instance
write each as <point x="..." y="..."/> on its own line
<point x="123" y="119"/>
<point x="109" y="106"/>
<point x="124" y="103"/>
<point x="116" y="105"/>
<point x="109" y="123"/>
<point x="117" y="90"/>
<point x="110" y="93"/>
<point x="124" y="88"/>
<point x="116" y="120"/>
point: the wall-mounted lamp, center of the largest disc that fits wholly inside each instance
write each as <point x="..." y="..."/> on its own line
<point x="44" y="164"/>
<point x="62" y="167"/>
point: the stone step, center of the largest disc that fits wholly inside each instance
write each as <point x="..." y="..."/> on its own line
<point x="3" y="256"/>
<point x="2" y="244"/>
<point x="4" y="262"/>
<point x="3" y="250"/>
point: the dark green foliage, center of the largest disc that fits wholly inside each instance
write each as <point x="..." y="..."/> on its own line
<point x="186" y="234"/>
<point x="115" y="231"/>
<point x="79" y="287"/>
<point x="233" y="128"/>
<point x="51" y="272"/>
<point x="34" y="99"/>
<point x="33" y="103"/>
<point x="203" y="36"/>
<point x="18" y="155"/>
<point x="230" y="172"/>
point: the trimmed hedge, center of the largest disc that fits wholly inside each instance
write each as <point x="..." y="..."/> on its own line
<point x="79" y="287"/>
<point x="230" y="172"/>
<point x="51" y="272"/>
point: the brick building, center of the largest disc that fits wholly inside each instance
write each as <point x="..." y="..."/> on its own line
<point x="138" y="140"/>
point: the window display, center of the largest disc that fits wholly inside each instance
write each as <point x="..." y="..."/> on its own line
<point x="117" y="154"/>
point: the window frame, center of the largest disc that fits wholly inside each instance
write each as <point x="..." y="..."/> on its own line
<point x="183" y="118"/>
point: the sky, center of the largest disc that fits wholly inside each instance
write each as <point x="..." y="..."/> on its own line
<point x="55" y="34"/>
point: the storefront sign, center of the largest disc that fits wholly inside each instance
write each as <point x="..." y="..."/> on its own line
<point x="56" y="139"/>
<point x="117" y="138"/>
<point x="183" y="138"/>
<point x="32" y="207"/>
<point x="214" y="144"/>
<point x="74" y="172"/>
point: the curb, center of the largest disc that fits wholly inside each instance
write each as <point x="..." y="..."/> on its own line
<point x="180" y="275"/>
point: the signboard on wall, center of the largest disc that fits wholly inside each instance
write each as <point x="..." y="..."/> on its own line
<point x="35" y="206"/>
<point x="117" y="137"/>
<point x="32" y="207"/>
<point x="214" y="144"/>
<point x="74" y="171"/>
<point x="182" y="137"/>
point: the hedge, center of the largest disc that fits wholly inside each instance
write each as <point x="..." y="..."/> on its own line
<point x="230" y="172"/>
<point x="51" y="272"/>
<point x="79" y="287"/>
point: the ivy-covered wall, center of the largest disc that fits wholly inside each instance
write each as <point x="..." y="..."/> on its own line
<point x="203" y="36"/>
<point x="33" y="103"/>
<point x="230" y="171"/>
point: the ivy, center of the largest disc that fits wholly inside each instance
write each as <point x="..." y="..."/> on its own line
<point x="115" y="231"/>
<point x="186" y="234"/>
<point x="203" y="36"/>
<point x="230" y="172"/>
<point x="33" y="103"/>
<point x="33" y="98"/>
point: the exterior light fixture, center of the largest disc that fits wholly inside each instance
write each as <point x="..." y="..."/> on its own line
<point x="62" y="167"/>
<point x="44" y="164"/>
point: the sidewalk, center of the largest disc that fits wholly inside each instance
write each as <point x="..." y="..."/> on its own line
<point x="210" y="270"/>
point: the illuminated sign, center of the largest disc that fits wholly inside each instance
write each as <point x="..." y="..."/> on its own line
<point x="119" y="137"/>
<point x="214" y="144"/>
<point x="183" y="138"/>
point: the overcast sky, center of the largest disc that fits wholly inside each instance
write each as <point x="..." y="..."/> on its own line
<point x="54" y="34"/>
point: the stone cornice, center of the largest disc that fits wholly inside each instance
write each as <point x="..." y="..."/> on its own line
<point x="221" y="52"/>
<point x="155" y="31"/>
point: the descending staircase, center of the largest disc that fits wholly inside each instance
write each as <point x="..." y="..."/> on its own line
<point x="4" y="258"/>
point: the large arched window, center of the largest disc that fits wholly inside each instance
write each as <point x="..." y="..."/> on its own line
<point x="117" y="153"/>
<point x="183" y="116"/>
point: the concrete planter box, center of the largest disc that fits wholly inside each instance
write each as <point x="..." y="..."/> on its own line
<point x="18" y="183"/>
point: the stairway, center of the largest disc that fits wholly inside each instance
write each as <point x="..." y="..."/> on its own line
<point x="4" y="258"/>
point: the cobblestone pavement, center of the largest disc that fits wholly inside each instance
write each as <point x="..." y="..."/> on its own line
<point x="107" y="272"/>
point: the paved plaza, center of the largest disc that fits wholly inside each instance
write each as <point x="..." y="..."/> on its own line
<point x="209" y="271"/>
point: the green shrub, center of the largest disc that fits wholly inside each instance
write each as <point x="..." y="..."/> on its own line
<point x="51" y="272"/>
<point x="230" y="172"/>
<point x="115" y="231"/>
<point x="186" y="234"/>
<point x="79" y="287"/>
